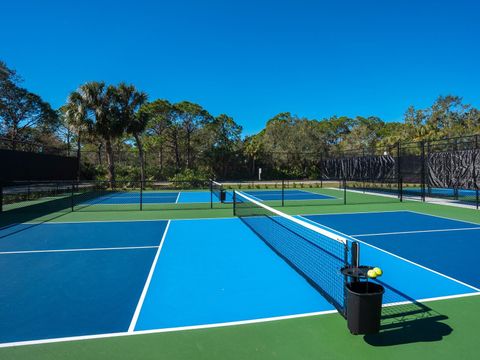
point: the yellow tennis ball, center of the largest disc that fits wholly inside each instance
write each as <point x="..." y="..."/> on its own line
<point x="378" y="271"/>
<point x="372" y="274"/>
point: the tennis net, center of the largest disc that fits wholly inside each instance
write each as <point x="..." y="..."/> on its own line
<point x="217" y="190"/>
<point x="315" y="253"/>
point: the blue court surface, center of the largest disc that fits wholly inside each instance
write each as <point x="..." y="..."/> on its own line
<point x="74" y="279"/>
<point x="288" y="195"/>
<point x="151" y="197"/>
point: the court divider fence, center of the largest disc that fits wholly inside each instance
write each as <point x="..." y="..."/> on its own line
<point x="447" y="169"/>
<point x="64" y="196"/>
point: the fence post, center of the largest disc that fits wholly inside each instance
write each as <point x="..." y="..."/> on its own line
<point x="72" y="196"/>
<point x="141" y="195"/>
<point x="321" y="171"/>
<point x="476" y="154"/>
<point x="400" y="189"/>
<point x="211" y="194"/>
<point x="234" y="202"/>
<point x="1" y="197"/>
<point x="422" y="174"/>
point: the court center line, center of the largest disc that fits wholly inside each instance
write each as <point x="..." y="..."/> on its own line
<point x="178" y="196"/>
<point x="397" y="256"/>
<point x="76" y="250"/>
<point x="416" y="232"/>
<point x="136" y="314"/>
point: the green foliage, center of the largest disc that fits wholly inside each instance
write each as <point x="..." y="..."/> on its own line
<point x="120" y="134"/>
<point x="189" y="178"/>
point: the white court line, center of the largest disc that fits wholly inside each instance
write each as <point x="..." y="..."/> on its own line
<point x="208" y="326"/>
<point x="178" y="196"/>
<point x="444" y="217"/>
<point x="398" y="257"/>
<point x="357" y="212"/>
<point x="416" y="232"/>
<point x="166" y="330"/>
<point x="131" y="328"/>
<point x="77" y="250"/>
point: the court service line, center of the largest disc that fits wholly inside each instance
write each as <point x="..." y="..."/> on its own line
<point x="133" y="323"/>
<point x="416" y="232"/>
<point x="397" y="256"/>
<point x="77" y="250"/>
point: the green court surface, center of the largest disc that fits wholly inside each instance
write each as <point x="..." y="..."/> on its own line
<point x="316" y="337"/>
<point x="450" y="330"/>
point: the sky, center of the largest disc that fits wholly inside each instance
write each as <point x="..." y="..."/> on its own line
<point x="252" y="59"/>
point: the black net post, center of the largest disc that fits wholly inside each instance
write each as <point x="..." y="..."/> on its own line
<point x="344" y="191"/>
<point x="283" y="193"/>
<point x="141" y="194"/>
<point x="355" y="256"/>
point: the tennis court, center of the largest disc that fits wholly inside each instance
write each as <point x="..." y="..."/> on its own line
<point x="84" y="279"/>
<point x="150" y="197"/>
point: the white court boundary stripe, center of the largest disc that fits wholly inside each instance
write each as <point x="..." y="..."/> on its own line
<point x="404" y="259"/>
<point x="416" y="232"/>
<point x="136" y="314"/>
<point x="77" y="250"/>
<point x="444" y="217"/>
<point x="308" y="225"/>
<point x="178" y="196"/>
<point x="207" y="326"/>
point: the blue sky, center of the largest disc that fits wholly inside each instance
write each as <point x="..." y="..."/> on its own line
<point x="252" y="59"/>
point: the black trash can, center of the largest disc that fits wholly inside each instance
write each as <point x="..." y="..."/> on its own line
<point x="364" y="307"/>
<point x="223" y="196"/>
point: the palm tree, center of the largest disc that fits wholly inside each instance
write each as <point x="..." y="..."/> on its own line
<point x="129" y="101"/>
<point x="103" y="117"/>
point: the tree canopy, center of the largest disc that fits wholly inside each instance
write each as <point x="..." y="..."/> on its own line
<point x="117" y="131"/>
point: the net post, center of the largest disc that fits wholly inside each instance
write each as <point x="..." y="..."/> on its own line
<point x="355" y="256"/>
<point x="283" y="192"/>
<point x="141" y="195"/>
<point x="234" y="202"/>
<point x="344" y="191"/>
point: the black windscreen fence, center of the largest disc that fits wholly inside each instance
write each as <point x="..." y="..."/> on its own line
<point x="459" y="169"/>
<point x="22" y="165"/>
<point x="372" y="167"/>
<point x="448" y="169"/>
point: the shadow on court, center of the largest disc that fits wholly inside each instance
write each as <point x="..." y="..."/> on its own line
<point x="405" y="321"/>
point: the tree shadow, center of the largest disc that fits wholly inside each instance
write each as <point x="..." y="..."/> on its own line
<point x="405" y="321"/>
